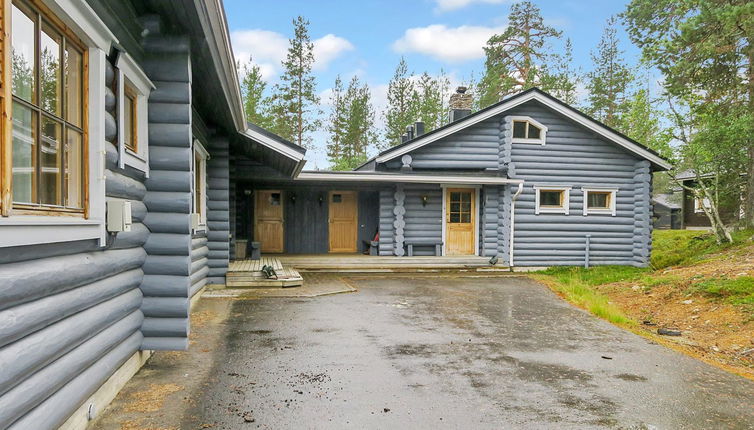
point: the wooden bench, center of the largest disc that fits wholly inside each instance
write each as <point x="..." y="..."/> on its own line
<point x="410" y="243"/>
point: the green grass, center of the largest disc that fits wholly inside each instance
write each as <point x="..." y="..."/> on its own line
<point x="683" y="247"/>
<point x="670" y="248"/>
<point x="737" y="291"/>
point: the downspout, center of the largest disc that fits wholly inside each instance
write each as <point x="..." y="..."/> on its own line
<point x="587" y="251"/>
<point x="513" y="211"/>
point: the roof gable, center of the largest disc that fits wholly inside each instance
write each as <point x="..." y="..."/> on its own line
<point x="547" y="100"/>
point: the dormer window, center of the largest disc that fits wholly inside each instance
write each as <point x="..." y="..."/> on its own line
<point x="527" y="130"/>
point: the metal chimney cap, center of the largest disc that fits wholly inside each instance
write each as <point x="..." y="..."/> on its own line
<point x="461" y="90"/>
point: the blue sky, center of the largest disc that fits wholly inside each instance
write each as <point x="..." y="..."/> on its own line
<point x="367" y="38"/>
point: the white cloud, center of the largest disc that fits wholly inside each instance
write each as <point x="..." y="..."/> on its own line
<point x="329" y="47"/>
<point x="269" y="48"/>
<point x="453" y="45"/>
<point x="448" y="5"/>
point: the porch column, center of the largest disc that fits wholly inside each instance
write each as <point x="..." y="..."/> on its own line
<point x="399" y="223"/>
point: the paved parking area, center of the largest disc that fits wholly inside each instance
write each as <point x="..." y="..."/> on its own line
<point x="424" y="352"/>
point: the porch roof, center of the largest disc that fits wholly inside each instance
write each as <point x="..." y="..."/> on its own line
<point x="418" y="178"/>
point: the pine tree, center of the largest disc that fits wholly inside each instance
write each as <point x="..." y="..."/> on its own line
<point x="517" y="59"/>
<point x="608" y="82"/>
<point x="294" y="102"/>
<point x="561" y="80"/>
<point x="401" y="107"/>
<point x="351" y="125"/>
<point x="255" y="105"/>
<point x="430" y="100"/>
<point x="337" y="121"/>
<point x="641" y="121"/>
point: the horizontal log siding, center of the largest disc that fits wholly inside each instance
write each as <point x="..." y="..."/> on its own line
<point x="423" y="222"/>
<point x="490" y="211"/>
<point x="172" y="257"/>
<point x="71" y="312"/>
<point x="473" y="148"/>
<point x="218" y="211"/>
<point x="576" y="157"/>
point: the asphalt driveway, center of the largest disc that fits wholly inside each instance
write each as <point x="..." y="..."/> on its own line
<point x="426" y="352"/>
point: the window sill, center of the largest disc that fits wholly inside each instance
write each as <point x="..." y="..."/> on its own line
<point x="552" y="211"/>
<point x="136" y="161"/>
<point x="21" y="230"/>
<point x="600" y="212"/>
<point x="528" y="141"/>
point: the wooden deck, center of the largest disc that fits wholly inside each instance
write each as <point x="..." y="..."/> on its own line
<point x="386" y="264"/>
<point x="248" y="274"/>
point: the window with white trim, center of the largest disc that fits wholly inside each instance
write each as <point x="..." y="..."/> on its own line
<point x="201" y="156"/>
<point x="527" y="130"/>
<point x="132" y="88"/>
<point x="552" y="199"/>
<point x="600" y="201"/>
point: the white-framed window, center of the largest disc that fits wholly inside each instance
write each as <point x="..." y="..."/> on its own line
<point x="132" y="94"/>
<point x="199" y="170"/>
<point x="700" y="204"/>
<point x="68" y="151"/>
<point x="551" y="199"/>
<point x="527" y="130"/>
<point x="600" y="201"/>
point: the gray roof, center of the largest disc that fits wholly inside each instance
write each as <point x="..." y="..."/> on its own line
<point x="666" y="200"/>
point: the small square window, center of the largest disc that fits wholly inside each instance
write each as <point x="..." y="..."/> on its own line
<point x="552" y="200"/>
<point x="337" y="198"/>
<point x="598" y="200"/>
<point x="527" y="130"/>
<point x="533" y="132"/>
<point x="275" y="199"/>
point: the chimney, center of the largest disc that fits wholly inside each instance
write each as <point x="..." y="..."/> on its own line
<point x="418" y="128"/>
<point x="460" y="104"/>
<point x="404" y="138"/>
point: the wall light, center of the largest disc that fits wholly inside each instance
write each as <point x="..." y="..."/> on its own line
<point x="425" y="199"/>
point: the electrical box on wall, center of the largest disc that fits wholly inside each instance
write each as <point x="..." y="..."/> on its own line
<point x="118" y="215"/>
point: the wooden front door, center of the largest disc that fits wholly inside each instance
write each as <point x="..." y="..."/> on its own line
<point x="460" y="221"/>
<point x="343" y="220"/>
<point x="268" y="220"/>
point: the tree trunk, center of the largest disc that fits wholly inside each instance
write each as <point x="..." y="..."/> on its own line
<point x="749" y="199"/>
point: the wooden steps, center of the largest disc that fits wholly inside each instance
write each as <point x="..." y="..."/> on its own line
<point x="248" y="274"/>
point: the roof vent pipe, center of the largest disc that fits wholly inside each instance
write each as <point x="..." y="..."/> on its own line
<point x="404" y="138"/>
<point x="419" y="128"/>
<point x="410" y="131"/>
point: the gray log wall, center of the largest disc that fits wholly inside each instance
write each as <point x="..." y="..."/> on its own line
<point x="173" y="257"/>
<point x="218" y="211"/>
<point x="423" y="222"/>
<point x="573" y="156"/>
<point x="576" y="157"/>
<point x="70" y="313"/>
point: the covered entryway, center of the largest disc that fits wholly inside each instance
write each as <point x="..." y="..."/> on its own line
<point x="460" y="221"/>
<point x="343" y="221"/>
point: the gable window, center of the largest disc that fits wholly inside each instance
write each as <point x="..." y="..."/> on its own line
<point x="552" y="199"/>
<point x="599" y="201"/>
<point x="47" y="144"/>
<point x="199" y="217"/>
<point x="527" y="130"/>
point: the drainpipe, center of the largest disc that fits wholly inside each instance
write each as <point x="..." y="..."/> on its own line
<point x="513" y="211"/>
<point x="586" y="251"/>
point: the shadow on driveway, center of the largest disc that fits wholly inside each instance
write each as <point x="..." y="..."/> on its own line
<point x="424" y="352"/>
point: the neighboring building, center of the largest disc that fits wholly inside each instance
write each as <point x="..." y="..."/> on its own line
<point x="128" y="173"/>
<point x="668" y="215"/>
<point x="693" y="215"/>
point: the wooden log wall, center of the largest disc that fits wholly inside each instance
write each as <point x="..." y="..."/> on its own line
<point x="172" y="254"/>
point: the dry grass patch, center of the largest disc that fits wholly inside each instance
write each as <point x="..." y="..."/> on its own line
<point x="151" y="399"/>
